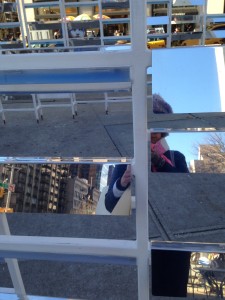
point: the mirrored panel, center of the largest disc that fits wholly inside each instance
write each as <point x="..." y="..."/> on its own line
<point x="188" y="205"/>
<point x="181" y="273"/>
<point x="10" y="30"/>
<point x="102" y="189"/>
<point x="87" y="124"/>
<point x="207" y="274"/>
<point x="188" y="151"/>
<point x="185" y="23"/>
<point x="190" y="79"/>
<point x="74" y="24"/>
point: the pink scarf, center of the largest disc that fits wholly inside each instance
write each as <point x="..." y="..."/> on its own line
<point x="160" y="150"/>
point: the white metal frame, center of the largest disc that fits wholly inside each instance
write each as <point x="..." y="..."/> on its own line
<point x="19" y="109"/>
<point x="60" y="96"/>
<point x="73" y="102"/>
<point x="137" y="59"/>
<point x="107" y="59"/>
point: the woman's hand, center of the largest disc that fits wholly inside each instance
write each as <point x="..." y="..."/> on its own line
<point x="126" y="178"/>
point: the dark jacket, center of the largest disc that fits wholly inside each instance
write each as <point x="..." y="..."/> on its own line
<point x="110" y="199"/>
<point x="179" y="166"/>
<point x="178" y="160"/>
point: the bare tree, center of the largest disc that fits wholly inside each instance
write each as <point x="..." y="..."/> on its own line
<point x="211" y="154"/>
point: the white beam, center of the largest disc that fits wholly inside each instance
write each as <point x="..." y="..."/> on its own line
<point x="70" y="246"/>
<point x="220" y="64"/>
<point x="63" y="87"/>
<point x="141" y="60"/>
<point x="67" y="60"/>
<point x="12" y="263"/>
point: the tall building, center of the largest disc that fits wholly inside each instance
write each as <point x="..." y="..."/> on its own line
<point x="38" y="188"/>
<point x="82" y="198"/>
<point x="52" y="188"/>
<point x="210" y="160"/>
<point x="90" y="172"/>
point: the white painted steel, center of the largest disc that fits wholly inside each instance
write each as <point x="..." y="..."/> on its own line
<point x="12" y="263"/>
<point x="19" y="109"/>
<point x="21" y="18"/>
<point x="61" y="96"/>
<point x="68" y="60"/>
<point x="220" y="63"/>
<point x="2" y="109"/>
<point x="203" y="11"/>
<point x="24" y="25"/>
<point x="70" y="246"/>
<point x="64" y="24"/>
<point x="141" y="60"/>
<point x="101" y="24"/>
<point x="63" y="88"/>
<point x="169" y="12"/>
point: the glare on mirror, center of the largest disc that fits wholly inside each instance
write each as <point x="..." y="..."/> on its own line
<point x="188" y="274"/>
<point x="63" y="189"/>
<point x="190" y="79"/>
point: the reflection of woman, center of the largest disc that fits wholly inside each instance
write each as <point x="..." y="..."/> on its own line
<point x="161" y="161"/>
<point x="169" y="268"/>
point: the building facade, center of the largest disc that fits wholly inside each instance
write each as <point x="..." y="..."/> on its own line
<point x="51" y="188"/>
<point x="211" y="159"/>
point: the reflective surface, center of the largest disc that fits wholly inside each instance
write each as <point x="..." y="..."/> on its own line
<point x="207" y="274"/>
<point x="71" y="24"/>
<point x="185" y="273"/>
<point x="190" y="79"/>
<point x="204" y="151"/>
<point x="55" y="188"/>
<point x="92" y="126"/>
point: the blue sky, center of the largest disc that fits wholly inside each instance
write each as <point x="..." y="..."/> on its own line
<point x="187" y="79"/>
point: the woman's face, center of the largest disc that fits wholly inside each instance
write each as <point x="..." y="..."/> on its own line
<point x="155" y="137"/>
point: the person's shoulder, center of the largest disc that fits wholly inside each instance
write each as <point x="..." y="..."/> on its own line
<point x="174" y="152"/>
<point x="175" y="155"/>
<point x="178" y="153"/>
<point x="179" y="160"/>
<point x="120" y="168"/>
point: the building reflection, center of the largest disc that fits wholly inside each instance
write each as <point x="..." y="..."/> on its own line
<point x="50" y="188"/>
